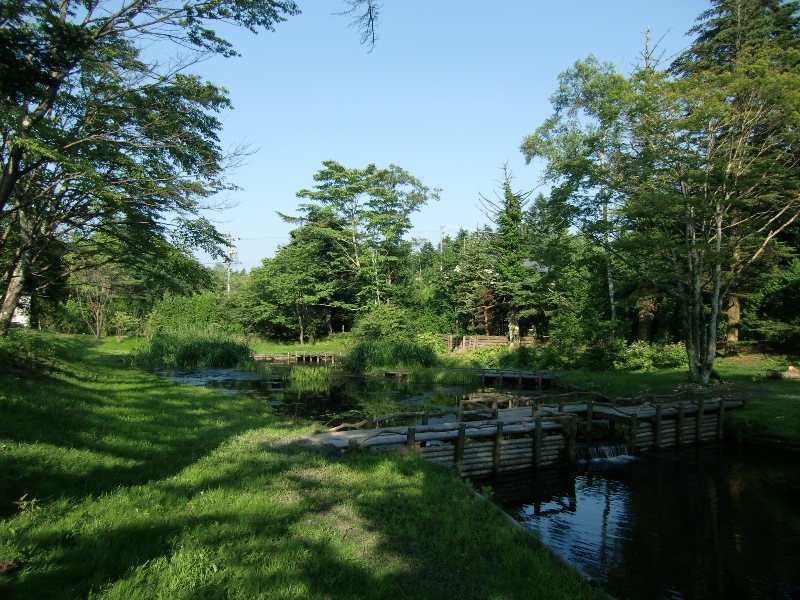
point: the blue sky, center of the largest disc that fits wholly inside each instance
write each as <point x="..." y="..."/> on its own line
<point x="448" y="94"/>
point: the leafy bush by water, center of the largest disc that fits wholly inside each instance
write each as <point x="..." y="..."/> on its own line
<point x="189" y="350"/>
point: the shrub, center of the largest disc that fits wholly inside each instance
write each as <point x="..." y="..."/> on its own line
<point x="200" y="312"/>
<point x="386" y="321"/>
<point x="641" y="356"/>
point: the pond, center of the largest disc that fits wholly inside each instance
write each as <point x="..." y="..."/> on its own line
<point x="341" y="399"/>
<point x="720" y="523"/>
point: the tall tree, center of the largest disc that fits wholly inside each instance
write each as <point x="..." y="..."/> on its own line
<point x="512" y="275"/>
<point x="96" y="137"/>
<point x="100" y="133"/>
<point x="707" y="180"/>
<point x="373" y="208"/>
<point x="729" y="33"/>
<point x="582" y="142"/>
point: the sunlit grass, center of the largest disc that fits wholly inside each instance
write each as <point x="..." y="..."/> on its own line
<point x="774" y="404"/>
<point x="128" y="486"/>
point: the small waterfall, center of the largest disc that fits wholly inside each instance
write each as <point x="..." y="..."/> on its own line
<point x="589" y="452"/>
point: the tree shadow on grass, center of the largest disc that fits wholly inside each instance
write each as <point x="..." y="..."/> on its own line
<point x="267" y="520"/>
<point x="74" y="435"/>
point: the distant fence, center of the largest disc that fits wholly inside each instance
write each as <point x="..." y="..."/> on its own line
<point x="460" y="343"/>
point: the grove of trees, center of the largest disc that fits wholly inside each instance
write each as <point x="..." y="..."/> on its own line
<point x="672" y="213"/>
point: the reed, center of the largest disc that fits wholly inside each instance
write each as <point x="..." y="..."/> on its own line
<point x="190" y="349"/>
<point x="465" y="377"/>
<point x="372" y="354"/>
<point x="310" y="379"/>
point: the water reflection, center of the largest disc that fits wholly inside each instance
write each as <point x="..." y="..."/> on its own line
<point x="713" y="525"/>
<point x="343" y="398"/>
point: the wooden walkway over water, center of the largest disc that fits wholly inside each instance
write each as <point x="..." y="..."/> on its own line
<point x="496" y="433"/>
<point x="299" y="357"/>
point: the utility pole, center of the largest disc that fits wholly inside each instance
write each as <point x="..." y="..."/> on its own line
<point x="230" y="257"/>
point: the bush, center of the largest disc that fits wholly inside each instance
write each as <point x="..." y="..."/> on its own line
<point x="387" y="322"/>
<point x="641" y="356"/>
<point x="189" y="350"/>
<point x="373" y="354"/>
<point x="200" y="312"/>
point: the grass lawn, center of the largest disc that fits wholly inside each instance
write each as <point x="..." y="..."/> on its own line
<point x="116" y="484"/>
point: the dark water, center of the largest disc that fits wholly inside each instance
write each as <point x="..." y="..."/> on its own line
<point x="348" y="399"/>
<point x="724" y="523"/>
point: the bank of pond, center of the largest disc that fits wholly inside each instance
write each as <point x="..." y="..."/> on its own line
<point x="714" y="519"/>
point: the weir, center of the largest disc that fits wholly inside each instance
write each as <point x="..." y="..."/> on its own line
<point x="499" y="433"/>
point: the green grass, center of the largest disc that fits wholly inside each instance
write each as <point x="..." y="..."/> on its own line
<point x="774" y="405"/>
<point x="335" y="343"/>
<point x="116" y="484"/>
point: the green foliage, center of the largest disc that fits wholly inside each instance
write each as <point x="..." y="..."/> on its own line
<point x="774" y="311"/>
<point x="386" y="321"/>
<point x="122" y="323"/>
<point x="190" y="349"/>
<point x="25" y="350"/>
<point x="200" y="312"/>
<point x="380" y="353"/>
<point x="441" y="376"/>
<point x="310" y="379"/>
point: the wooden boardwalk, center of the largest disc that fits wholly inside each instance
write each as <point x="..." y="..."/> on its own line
<point x="492" y="435"/>
<point x="299" y="357"/>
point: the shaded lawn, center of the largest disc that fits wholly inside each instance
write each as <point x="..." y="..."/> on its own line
<point x="147" y="489"/>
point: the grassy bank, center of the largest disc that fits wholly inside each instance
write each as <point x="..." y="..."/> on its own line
<point x="115" y="484"/>
<point x="774" y="404"/>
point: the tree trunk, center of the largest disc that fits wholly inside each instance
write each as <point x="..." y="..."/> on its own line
<point x="513" y="326"/>
<point x="734" y="318"/>
<point x="647" y="311"/>
<point x="14" y="290"/>
<point x="329" y="320"/>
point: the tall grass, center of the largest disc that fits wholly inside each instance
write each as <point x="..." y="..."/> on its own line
<point x="189" y="350"/>
<point x="373" y="354"/>
<point x="465" y="377"/>
<point x="310" y="379"/>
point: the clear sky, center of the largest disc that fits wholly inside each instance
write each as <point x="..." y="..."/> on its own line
<point x="448" y="93"/>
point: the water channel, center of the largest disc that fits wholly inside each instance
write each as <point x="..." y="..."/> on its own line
<point x="722" y="522"/>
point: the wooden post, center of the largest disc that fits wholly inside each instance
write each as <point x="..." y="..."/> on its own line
<point x="634" y="429"/>
<point x="460" y="416"/>
<point x="535" y="409"/>
<point x="721" y="419"/>
<point x="589" y="411"/>
<point x="352" y="445"/>
<point x="657" y="435"/>
<point x="698" y="424"/>
<point x="498" y="445"/>
<point x="411" y="439"/>
<point x="679" y="424"/>
<point x="537" y="444"/>
<point x="462" y="430"/>
<point x="370" y="423"/>
<point x="425" y="418"/>
<point x="561" y="407"/>
<point x="572" y="432"/>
